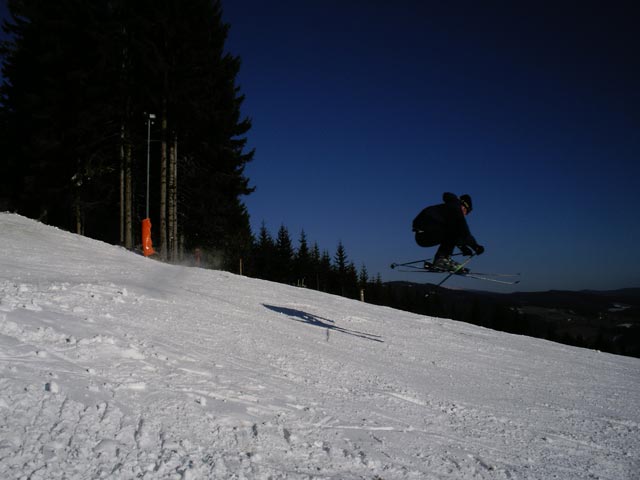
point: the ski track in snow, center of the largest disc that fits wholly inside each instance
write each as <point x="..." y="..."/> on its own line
<point x="116" y="366"/>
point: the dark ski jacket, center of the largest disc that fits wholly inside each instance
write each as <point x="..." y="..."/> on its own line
<point x="444" y="222"/>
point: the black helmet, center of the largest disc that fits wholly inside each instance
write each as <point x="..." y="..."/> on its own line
<point x="465" y="201"/>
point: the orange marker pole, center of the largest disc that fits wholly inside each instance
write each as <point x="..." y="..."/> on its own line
<point x="147" y="246"/>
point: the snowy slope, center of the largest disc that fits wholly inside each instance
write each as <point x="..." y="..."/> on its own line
<point x="117" y="366"/>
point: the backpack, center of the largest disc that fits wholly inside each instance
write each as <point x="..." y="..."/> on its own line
<point x="420" y="221"/>
<point x="430" y="218"/>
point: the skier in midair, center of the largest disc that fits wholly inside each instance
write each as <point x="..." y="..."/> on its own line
<point x="445" y="225"/>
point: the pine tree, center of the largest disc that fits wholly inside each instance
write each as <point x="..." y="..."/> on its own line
<point x="201" y="108"/>
<point x="340" y="260"/>
<point x="315" y="266"/>
<point x="325" y="273"/>
<point x="363" y="277"/>
<point x="340" y="269"/>
<point x="351" y="281"/>
<point x="263" y="257"/>
<point x="284" y="256"/>
<point x="57" y="102"/>
<point x="302" y="263"/>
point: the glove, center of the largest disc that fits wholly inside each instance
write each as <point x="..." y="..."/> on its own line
<point x="479" y="249"/>
<point x="466" y="251"/>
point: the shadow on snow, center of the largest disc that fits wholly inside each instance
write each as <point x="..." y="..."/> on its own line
<point x="316" y="321"/>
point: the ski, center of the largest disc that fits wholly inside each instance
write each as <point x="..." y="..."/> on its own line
<point x="490" y="279"/>
<point x="422" y="266"/>
<point x="495" y="274"/>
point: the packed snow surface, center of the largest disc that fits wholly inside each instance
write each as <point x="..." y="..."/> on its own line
<point x="117" y="366"/>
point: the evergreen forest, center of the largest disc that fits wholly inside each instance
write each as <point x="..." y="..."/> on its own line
<point x="114" y="111"/>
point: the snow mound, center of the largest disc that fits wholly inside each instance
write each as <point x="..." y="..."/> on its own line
<point x="117" y="366"/>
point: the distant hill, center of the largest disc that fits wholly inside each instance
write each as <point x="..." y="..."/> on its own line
<point x="604" y="320"/>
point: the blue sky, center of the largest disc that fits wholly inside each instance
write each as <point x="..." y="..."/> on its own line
<point x="364" y="112"/>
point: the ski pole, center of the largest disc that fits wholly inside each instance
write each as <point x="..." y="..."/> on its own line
<point x="394" y="265"/>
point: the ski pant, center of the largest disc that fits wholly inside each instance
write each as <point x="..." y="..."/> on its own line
<point x="435" y="235"/>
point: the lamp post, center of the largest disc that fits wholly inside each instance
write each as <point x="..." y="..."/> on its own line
<point x="149" y="122"/>
<point x="147" y="247"/>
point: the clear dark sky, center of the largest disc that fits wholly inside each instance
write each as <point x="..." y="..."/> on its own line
<point x="364" y="112"/>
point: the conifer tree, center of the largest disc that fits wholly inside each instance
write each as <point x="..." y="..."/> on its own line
<point x="363" y="277"/>
<point x="315" y="266"/>
<point x="325" y="272"/>
<point x="351" y="281"/>
<point x="263" y="257"/>
<point x="302" y="264"/>
<point x="340" y="269"/>
<point x="58" y="106"/>
<point x="284" y="256"/>
<point x="340" y="260"/>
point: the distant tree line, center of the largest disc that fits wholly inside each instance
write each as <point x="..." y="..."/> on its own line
<point x="606" y="333"/>
<point x="300" y="263"/>
<point x="80" y="82"/>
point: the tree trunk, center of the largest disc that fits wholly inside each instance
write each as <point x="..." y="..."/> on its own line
<point x="163" y="182"/>
<point x="121" y="154"/>
<point x="128" y="197"/>
<point x="79" y="217"/>
<point x="173" y="200"/>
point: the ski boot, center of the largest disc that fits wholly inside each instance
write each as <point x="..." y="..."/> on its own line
<point x="446" y="264"/>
